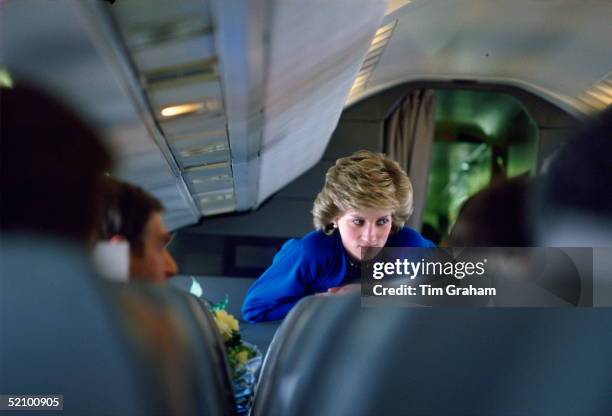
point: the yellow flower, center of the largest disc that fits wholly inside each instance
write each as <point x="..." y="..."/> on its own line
<point x="242" y="357"/>
<point x="226" y="323"/>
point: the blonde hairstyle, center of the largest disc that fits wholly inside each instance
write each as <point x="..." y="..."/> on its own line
<point x="363" y="180"/>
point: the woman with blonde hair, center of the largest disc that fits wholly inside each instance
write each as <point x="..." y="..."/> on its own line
<point x="364" y="204"/>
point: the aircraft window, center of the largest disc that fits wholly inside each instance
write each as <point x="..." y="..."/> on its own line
<point x="479" y="137"/>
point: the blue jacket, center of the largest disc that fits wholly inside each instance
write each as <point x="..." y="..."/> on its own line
<point x="312" y="264"/>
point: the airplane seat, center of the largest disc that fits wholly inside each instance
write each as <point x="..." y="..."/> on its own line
<point x="441" y="361"/>
<point x="60" y="334"/>
<point x="211" y="347"/>
<point x="332" y="356"/>
<point x="216" y="288"/>
<point x="291" y="363"/>
<point x="179" y="335"/>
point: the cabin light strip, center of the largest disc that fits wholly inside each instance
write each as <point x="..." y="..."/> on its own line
<point x="203" y="150"/>
<point x="177" y="110"/>
<point x="189" y="125"/>
<point x="598" y="97"/>
<point x="216" y="202"/>
<point x="377" y="47"/>
<point x="216" y="178"/>
<point x="212" y="197"/>
<point x="142" y="36"/>
<point x="208" y="105"/>
<point x="396" y="5"/>
<point x="209" y="167"/>
<point x="201" y="135"/>
<point x="168" y="76"/>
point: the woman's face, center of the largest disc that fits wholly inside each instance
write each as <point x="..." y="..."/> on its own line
<point x="367" y="227"/>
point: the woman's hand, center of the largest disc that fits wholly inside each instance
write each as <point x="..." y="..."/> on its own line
<point x="353" y="287"/>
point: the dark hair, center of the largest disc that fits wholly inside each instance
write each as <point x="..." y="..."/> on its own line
<point x="51" y="165"/>
<point x="497" y="216"/>
<point x="127" y="209"/>
<point x="578" y="179"/>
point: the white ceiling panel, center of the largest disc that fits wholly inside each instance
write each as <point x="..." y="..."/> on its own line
<point x="192" y="123"/>
<point x="176" y="51"/>
<point x="187" y="91"/>
<point x="142" y="13"/>
<point x="557" y="49"/>
<point x="209" y="178"/>
<point x="57" y="45"/>
<point x="305" y="91"/>
<point x="216" y="202"/>
<point x="210" y="150"/>
<point x="268" y="79"/>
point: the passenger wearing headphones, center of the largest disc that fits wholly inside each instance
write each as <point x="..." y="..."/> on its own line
<point x="134" y="216"/>
<point x="56" y="316"/>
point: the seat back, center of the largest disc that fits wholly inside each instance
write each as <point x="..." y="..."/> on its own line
<point x="61" y="335"/>
<point x="291" y="363"/>
<point x="332" y="356"/>
<point x="188" y="350"/>
<point x="217" y="372"/>
<point x="441" y="361"/>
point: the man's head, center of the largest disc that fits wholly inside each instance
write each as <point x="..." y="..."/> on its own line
<point x="497" y="216"/>
<point x="51" y="167"/>
<point x="573" y="203"/>
<point x="134" y="215"/>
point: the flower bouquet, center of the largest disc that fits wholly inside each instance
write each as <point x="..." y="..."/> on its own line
<point x="244" y="359"/>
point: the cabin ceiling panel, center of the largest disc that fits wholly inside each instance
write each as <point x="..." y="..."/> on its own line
<point x="175" y="71"/>
<point x="58" y="46"/>
<point x="201" y="151"/>
<point x="555" y="48"/>
<point x="177" y="93"/>
<point x="268" y="79"/>
<point x="192" y="124"/>
<point x="136" y="14"/>
<point x="46" y="43"/>
<point x="285" y="160"/>
<point x="176" y="51"/>
<point x="239" y="40"/>
<point x="177" y="211"/>
<point x="212" y="177"/>
<point x="216" y="202"/>
<point x="145" y="169"/>
<point x="305" y="91"/>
